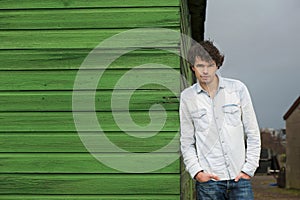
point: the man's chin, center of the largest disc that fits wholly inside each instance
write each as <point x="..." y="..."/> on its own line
<point x="206" y="81"/>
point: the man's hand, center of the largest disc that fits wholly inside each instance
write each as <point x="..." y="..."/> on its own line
<point x="204" y="177"/>
<point x="243" y="176"/>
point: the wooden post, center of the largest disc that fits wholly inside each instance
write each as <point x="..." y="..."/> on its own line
<point x="197" y="9"/>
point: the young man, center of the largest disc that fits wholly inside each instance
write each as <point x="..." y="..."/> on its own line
<point x="220" y="138"/>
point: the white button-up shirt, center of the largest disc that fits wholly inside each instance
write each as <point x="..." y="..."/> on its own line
<point x="219" y="135"/>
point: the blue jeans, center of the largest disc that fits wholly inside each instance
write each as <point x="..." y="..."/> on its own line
<point x="221" y="190"/>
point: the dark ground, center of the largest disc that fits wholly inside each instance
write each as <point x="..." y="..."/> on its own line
<point x="264" y="189"/>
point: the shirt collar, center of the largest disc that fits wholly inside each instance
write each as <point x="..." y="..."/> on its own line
<point x="199" y="89"/>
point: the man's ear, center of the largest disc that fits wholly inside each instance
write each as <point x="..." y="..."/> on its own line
<point x="192" y="68"/>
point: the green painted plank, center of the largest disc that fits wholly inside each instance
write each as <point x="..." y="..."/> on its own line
<point x="74" y="163"/>
<point x="64" y="79"/>
<point x="62" y="100"/>
<point x="71" y="143"/>
<point x="89" y="18"/>
<point x="63" y="121"/>
<point x="90" y="184"/>
<point x="65" y="39"/>
<point x="42" y="59"/>
<point x="11" y="4"/>
<point x="91" y="197"/>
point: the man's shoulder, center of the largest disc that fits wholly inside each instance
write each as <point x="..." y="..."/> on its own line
<point x="233" y="83"/>
<point x="231" y="80"/>
<point x="189" y="91"/>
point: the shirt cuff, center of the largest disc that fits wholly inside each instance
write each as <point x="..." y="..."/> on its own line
<point x="194" y="170"/>
<point x="249" y="172"/>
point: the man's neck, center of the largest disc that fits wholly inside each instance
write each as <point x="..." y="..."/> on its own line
<point x="212" y="87"/>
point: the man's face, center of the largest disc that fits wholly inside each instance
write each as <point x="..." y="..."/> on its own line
<point x="205" y="71"/>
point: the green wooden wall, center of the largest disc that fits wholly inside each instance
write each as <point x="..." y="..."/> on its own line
<point x="43" y="44"/>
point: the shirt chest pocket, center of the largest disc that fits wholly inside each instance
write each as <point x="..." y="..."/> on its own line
<point x="200" y="120"/>
<point x="232" y="114"/>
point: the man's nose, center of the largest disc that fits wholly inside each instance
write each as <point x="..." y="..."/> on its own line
<point x="205" y="69"/>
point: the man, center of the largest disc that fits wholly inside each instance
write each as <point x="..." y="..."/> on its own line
<point x="220" y="138"/>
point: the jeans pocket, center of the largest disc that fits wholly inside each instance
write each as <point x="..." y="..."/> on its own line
<point x="208" y="190"/>
<point x="232" y="114"/>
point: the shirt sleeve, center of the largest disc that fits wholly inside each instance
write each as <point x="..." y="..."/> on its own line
<point x="187" y="140"/>
<point x="252" y="133"/>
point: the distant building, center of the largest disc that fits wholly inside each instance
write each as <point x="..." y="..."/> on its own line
<point x="292" y="120"/>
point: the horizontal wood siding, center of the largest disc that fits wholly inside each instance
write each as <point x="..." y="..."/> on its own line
<point x="43" y="45"/>
<point x="62" y="59"/>
<point x="67" y="39"/>
<point x="59" y="163"/>
<point x="91" y="197"/>
<point x="59" y="4"/>
<point x="64" y="79"/>
<point x="69" y="142"/>
<point x="43" y="100"/>
<point x="89" y="184"/>
<point x="88" y="18"/>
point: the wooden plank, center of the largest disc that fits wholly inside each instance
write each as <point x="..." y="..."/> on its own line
<point x="62" y="100"/>
<point x="29" y="4"/>
<point x="91" y="197"/>
<point x="185" y="26"/>
<point x="89" y="18"/>
<point x="64" y="79"/>
<point x="74" y="163"/>
<point x="66" y="39"/>
<point x="109" y="184"/>
<point x="48" y="142"/>
<point x="42" y="59"/>
<point x="63" y="121"/>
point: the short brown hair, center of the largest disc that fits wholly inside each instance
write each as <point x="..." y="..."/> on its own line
<point x="207" y="51"/>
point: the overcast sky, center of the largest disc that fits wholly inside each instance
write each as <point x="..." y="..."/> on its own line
<point x="260" y="40"/>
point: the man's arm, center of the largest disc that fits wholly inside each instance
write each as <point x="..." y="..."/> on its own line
<point x="252" y="133"/>
<point x="187" y="140"/>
